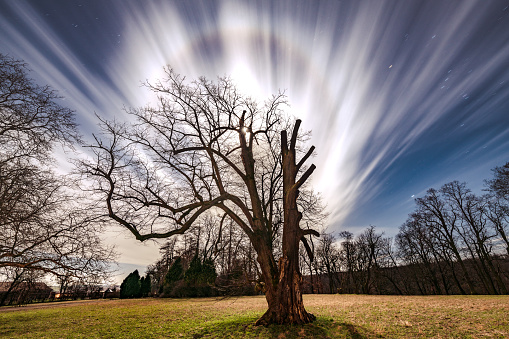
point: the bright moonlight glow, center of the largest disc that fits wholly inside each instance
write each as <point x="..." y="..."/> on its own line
<point x="247" y="82"/>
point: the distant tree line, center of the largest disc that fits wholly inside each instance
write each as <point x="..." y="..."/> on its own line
<point x="454" y="242"/>
<point x="24" y="293"/>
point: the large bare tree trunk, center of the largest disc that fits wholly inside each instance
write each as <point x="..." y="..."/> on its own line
<point x="284" y="293"/>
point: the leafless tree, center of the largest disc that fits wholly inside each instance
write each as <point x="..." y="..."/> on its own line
<point x="20" y="286"/>
<point x="455" y="242"/>
<point x="498" y="188"/>
<point x="44" y="227"/>
<point x="348" y="258"/>
<point x="475" y="232"/>
<point x="327" y="259"/>
<point x="205" y="147"/>
<point x="500" y="182"/>
<point x="369" y="250"/>
<point x="389" y="261"/>
<point x="31" y="119"/>
<point x="498" y="214"/>
<point x="444" y="223"/>
<point x="418" y="246"/>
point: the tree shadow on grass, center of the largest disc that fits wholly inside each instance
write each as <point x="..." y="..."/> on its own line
<point x="243" y="327"/>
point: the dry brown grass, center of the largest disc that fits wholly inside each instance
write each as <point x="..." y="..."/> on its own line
<point x="339" y="316"/>
<point x="418" y="316"/>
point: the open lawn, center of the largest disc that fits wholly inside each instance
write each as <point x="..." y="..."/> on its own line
<point x="338" y="316"/>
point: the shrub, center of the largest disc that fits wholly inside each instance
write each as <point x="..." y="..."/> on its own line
<point x="197" y="281"/>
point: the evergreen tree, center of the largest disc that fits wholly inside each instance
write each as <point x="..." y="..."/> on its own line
<point x="196" y="281"/>
<point x="174" y="274"/>
<point x="131" y="286"/>
<point x="193" y="273"/>
<point x="199" y="278"/>
<point x="208" y="272"/>
<point x="146" y="286"/>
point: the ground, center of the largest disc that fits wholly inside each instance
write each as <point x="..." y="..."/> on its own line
<point x="338" y="316"/>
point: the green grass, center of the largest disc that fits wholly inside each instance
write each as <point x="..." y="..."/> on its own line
<point x="338" y="316"/>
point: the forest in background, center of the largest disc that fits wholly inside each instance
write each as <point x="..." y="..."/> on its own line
<point x="455" y="242"/>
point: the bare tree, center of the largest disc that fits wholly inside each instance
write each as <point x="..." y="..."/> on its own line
<point x="499" y="202"/>
<point x="419" y="246"/>
<point x="369" y="249"/>
<point x="20" y="286"/>
<point x="205" y="147"/>
<point x="327" y="258"/>
<point x="389" y="261"/>
<point x="31" y="119"/>
<point x="444" y="223"/>
<point x="474" y="230"/>
<point x="500" y="183"/>
<point x="44" y="228"/>
<point x="498" y="214"/>
<point x="348" y="258"/>
<point x="455" y="237"/>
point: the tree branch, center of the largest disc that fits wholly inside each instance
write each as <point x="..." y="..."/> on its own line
<point x="310" y="231"/>
<point x="304" y="177"/>
<point x="308" y="249"/>
<point x="294" y="134"/>
<point x="303" y="160"/>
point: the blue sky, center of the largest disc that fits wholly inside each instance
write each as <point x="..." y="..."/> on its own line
<point x="400" y="96"/>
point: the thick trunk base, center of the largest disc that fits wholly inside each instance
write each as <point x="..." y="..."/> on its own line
<point x="286" y="305"/>
<point x="298" y="317"/>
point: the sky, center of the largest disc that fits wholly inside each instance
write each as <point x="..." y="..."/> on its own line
<point x="400" y="96"/>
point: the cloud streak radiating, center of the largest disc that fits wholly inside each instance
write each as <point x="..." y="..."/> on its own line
<point x="397" y="93"/>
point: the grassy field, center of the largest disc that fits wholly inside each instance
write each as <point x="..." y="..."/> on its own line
<point x="339" y="316"/>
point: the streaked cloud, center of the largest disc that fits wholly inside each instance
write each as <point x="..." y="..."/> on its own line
<point x="378" y="82"/>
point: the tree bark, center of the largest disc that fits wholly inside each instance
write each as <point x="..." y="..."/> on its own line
<point x="284" y="294"/>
